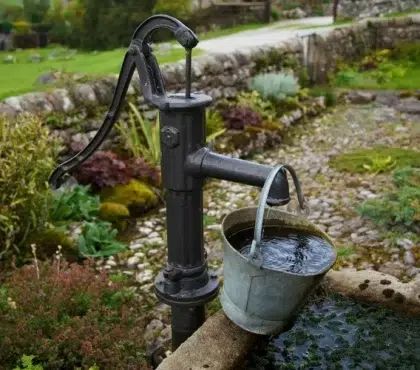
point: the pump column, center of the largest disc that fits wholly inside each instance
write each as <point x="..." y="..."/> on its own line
<point x="185" y="283"/>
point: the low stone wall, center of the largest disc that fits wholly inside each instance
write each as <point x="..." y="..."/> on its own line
<point x="348" y="44"/>
<point x="373" y="8"/>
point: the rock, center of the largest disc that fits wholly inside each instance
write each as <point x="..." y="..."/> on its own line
<point x="46" y="78"/>
<point x="296" y="13"/>
<point x="9" y="59"/>
<point x="409" y="258"/>
<point x="7" y="111"/>
<point x="360" y="97"/>
<point x="157" y="340"/>
<point x="407" y="244"/>
<point x="78" y="142"/>
<point x="393" y="268"/>
<point x="132" y="262"/>
<point x="410" y="105"/>
<point x="35" y="58"/>
<point x="144" y="276"/>
<point x="145" y="230"/>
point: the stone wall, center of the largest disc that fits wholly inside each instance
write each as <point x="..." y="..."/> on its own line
<point x="374" y="8"/>
<point x="348" y="44"/>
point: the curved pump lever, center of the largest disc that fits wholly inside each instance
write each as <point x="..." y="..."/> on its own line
<point x="139" y="55"/>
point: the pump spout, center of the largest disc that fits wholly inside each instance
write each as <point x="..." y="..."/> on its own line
<point x="205" y="163"/>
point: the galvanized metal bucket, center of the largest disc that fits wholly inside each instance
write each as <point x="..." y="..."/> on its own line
<point x="257" y="299"/>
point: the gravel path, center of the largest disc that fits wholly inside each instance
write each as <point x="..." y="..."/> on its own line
<point x="270" y="35"/>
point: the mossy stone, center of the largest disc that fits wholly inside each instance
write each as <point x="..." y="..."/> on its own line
<point x="48" y="240"/>
<point x="136" y="196"/>
<point x="113" y="211"/>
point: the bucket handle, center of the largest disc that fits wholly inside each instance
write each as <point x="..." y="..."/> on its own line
<point x="255" y="257"/>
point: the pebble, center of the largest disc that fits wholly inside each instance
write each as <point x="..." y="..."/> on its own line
<point x="152" y="252"/>
<point x="144" y="276"/>
<point x="409" y="258"/>
<point x="111" y="263"/>
<point x="133" y="261"/>
<point x="136" y="246"/>
<point x="405" y="243"/>
<point x="145" y="230"/>
<point x="149" y="224"/>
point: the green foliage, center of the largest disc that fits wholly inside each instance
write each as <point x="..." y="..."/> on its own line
<point x="36" y="10"/>
<point x="407" y="51"/>
<point x="71" y="318"/>
<point x="327" y="92"/>
<point x="75" y="205"/>
<point x="379" y="164"/>
<point x="399" y="208"/>
<point x="346" y="77"/>
<point x="98" y="239"/>
<point x="27" y="363"/>
<point x="27" y="158"/>
<point x="215" y="125"/>
<point x="356" y="160"/>
<point x="275" y="86"/>
<point x="345" y="252"/>
<point x="176" y="8"/>
<point x="253" y="100"/>
<point x="141" y="136"/>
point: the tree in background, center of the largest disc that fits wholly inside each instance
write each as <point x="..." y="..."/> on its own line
<point x="36" y="10"/>
<point x="177" y="8"/>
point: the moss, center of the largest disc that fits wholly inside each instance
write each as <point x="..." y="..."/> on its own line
<point x="113" y="211"/>
<point x="355" y="161"/>
<point x="136" y="196"/>
<point x="48" y="240"/>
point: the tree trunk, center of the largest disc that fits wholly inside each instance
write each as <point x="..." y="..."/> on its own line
<point x="267" y="11"/>
<point x="335" y="10"/>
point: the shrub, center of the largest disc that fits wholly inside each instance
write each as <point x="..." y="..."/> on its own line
<point x="238" y="117"/>
<point x="21" y="27"/>
<point x="275" y="86"/>
<point x="75" y="205"/>
<point x="107" y="169"/>
<point x="214" y="122"/>
<point x="401" y="207"/>
<point x="71" y="318"/>
<point x="176" y="8"/>
<point x="253" y="100"/>
<point x="27" y="158"/>
<point x="407" y="51"/>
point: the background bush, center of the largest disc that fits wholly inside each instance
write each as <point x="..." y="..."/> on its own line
<point x="27" y="158"/>
<point x="70" y="317"/>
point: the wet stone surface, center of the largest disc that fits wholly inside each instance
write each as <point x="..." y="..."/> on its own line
<point x="337" y="333"/>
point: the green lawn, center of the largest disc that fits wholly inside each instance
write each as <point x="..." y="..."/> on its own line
<point x="231" y="30"/>
<point x="19" y="78"/>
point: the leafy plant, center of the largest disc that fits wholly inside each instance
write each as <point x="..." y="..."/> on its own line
<point x="75" y="205"/>
<point x="238" y="117"/>
<point x="71" y="318"/>
<point x="214" y="125"/>
<point x="99" y="240"/>
<point x="141" y="136"/>
<point x="27" y="363"/>
<point x="408" y="51"/>
<point x="253" y="100"/>
<point x="399" y="208"/>
<point x="275" y="86"/>
<point x="108" y="169"/>
<point x="346" y="77"/>
<point x="380" y="164"/>
<point x="27" y="158"/>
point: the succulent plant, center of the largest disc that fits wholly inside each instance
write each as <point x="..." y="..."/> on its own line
<point x="275" y="86"/>
<point x="238" y="116"/>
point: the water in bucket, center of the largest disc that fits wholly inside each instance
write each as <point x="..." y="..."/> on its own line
<point x="287" y="249"/>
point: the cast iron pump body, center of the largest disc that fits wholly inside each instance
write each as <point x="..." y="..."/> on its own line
<point x="186" y="283"/>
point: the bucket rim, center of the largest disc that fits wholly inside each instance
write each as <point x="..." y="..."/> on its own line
<point x="293" y="215"/>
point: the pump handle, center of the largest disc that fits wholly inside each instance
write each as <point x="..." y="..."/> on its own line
<point x="139" y="55"/>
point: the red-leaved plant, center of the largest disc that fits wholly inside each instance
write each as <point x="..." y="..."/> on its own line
<point x="238" y="116"/>
<point x="68" y="316"/>
<point x="108" y="169"/>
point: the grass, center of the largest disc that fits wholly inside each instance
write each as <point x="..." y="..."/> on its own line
<point x="354" y="161"/>
<point x="229" y="31"/>
<point x="20" y="78"/>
